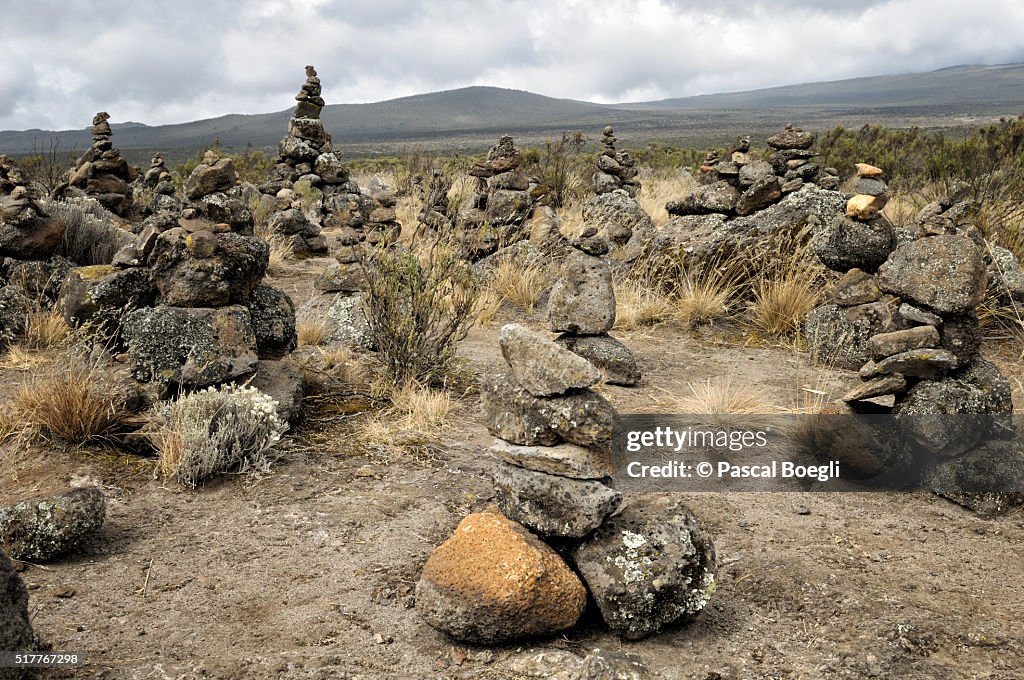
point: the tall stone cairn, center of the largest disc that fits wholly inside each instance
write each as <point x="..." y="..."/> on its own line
<point x="502" y="202"/>
<point x="102" y="172"/>
<point x="615" y="169"/>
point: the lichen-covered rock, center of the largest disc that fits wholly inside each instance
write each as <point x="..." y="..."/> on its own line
<point x="192" y="347"/>
<point x="649" y="566"/>
<point x="617" y="216"/>
<point x="838" y="336"/>
<point x="40" y="529"/>
<point x="844" y="244"/>
<point x="583" y="300"/>
<point x="273" y="321"/>
<point x="99" y="296"/>
<point x="553" y="505"/>
<point x="720" y="197"/>
<point x="887" y="344"/>
<point x="341" y="277"/>
<point x="14" y="307"/>
<point x="759" y="195"/>
<point x="513" y="414"/>
<point x="38" y="278"/>
<point x="857" y="287"/>
<point x="961" y="335"/>
<point x="927" y="364"/>
<point x="542" y="366"/>
<point x="945" y="274"/>
<point x="188" y="274"/>
<point x="616" y="363"/>
<point x="345" y="318"/>
<point x="15" y="625"/>
<point x="211" y="178"/>
<point x="567" y="460"/>
<point x="494" y="581"/>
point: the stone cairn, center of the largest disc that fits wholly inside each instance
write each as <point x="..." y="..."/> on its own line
<point x="745" y="183"/>
<point x="185" y="301"/>
<point x="582" y="308"/>
<point x="553" y="460"/>
<point x="158" y="181"/>
<point x="904" y="314"/>
<point x="615" y="169"/>
<point x="305" y="155"/>
<point x="613" y="210"/>
<point x="437" y="214"/>
<point x="503" y="201"/>
<point x="102" y="172"/>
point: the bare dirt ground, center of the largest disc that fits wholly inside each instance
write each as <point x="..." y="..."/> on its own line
<point x="309" y="571"/>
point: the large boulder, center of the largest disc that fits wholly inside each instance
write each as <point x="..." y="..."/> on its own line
<point x="543" y="367"/>
<point x="40" y="529"/>
<point x="617" y="216"/>
<point x="553" y="505"/>
<point x="208" y="179"/>
<point x="946" y="274"/>
<point x="273" y="321"/>
<point x="651" y="565"/>
<point x="720" y="197"/>
<point x="204" y="269"/>
<point x="192" y="347"/>
<point x="583" y="299"/>
<point x="15" y="625"/>
<point x="838" y="336"/>
<point x="493" y="581"/>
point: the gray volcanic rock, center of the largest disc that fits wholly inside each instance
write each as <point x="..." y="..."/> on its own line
<point x="649" y="566"/>
<point x="945" y="274"/>
<point x="845" y="243"/>
<point x="41" y="529"/>
<point x="583" y="299"/>
<point x="553" y="505"/>
<point x="543" y="367"/>
<point x="611" y="357"/>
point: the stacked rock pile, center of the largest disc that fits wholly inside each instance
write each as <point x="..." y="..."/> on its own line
<point x="307" y="162"/>
<point x="185" y="301"/>
<point x="102" y="172"/>
<point x="158" y="181"/>
<point x="503" y="201"/>
<point x="27" y="232"/>
<point x="214" y="196"/>
<point x="904" y="314"/>
<point x="437" y="213"/>
<point x="746" y="183"/>
<point x="582" y="308"/>
<point x="615" y="169"/>
<point x="649" y="565"/>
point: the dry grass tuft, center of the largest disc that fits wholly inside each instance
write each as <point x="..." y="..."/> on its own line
<point x="67" y="403"/>
<point x="704" y="298"/>
<point x="341" y="363"/>
<point x="517" y="285"/>
<point x="312" y="332"/>
<point x="638" y="306"/>
<point x="281" y="251"/>
<point x="659" y="189"/>
<point x="44" y="329"/>
<point x="417" y="414"/>
<point x="720" y="397"/>
<point x="780" y="305"/>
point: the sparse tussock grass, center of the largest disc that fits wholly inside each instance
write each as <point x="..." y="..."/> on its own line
<point x="719" y="396"/>
<point x="516" y="284"/>
<point x="312" y="331"/>
<point x="44" y="329"/>
<point x="217" y="430"/>
<point x="780" y="304"/>
<point x="341" y="363"/>
<point x="659" y="189"/>
<point x="705" y="297"/>
<point x="416" y="415"/>
<point x="281" y="251"/>
<point x="67" y="402"/>
<point x="638" y="306"/>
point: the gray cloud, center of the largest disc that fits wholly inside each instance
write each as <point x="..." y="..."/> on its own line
<point x="172" y="62"/>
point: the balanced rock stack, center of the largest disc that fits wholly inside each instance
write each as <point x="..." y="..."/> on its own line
<point x="102" y="172"/>
<point x="503" y="200"/>
<point x="437" y="213"/>
<point x="648" y="566"/>
<point x="582" y="308"/>
<point x="904" y="315"/>
<point x="615" y="169"/>
<point x="746" y="183"/>
<point x="185" y="300"/>
<point x="159" y="182"/>
<point x="27" y="232"/>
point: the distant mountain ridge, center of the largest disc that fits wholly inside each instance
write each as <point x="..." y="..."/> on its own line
<point x="474" y="114"/>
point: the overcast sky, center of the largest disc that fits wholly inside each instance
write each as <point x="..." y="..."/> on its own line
<point x="170" y="62"/>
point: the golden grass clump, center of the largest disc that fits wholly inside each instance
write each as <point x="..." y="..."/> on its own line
<point x="719" y="397"/>
<point x="68" y="403"/>
<point x="44" y="329"/>
<point x="342" y="363"/>
<point x="704" y="298"/>
<point x="415" y="416"/>
<point x="780" y="305"/>
<point x="312" y="331"/>
<point x="638" y="306"/>
<point x="659" y="189"/>
<point x="516" y="284"/>
<point x="281" y="251"/>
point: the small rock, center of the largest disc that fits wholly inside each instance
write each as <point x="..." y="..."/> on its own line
<point x="865" y="170"/>
<point x="894" y="383"/>
<point x="41" y="529"/>
<point x="567" y="460"/>
<point x="616" y="363"/>
<point x="887" y="344"/>
<point x="865" y="206"/>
